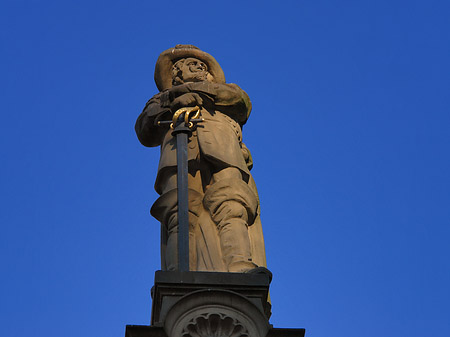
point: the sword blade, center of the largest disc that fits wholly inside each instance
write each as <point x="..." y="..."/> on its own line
<point x="183" y="207"/>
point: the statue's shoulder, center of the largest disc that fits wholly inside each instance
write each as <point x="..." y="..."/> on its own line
<point x="155" y="98"/>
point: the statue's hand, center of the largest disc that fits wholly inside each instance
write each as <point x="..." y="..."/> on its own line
<point x="185" y="100"/>
<point x="178" y="90"/>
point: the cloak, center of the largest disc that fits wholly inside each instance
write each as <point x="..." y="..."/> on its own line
<point x="209" y="255"/>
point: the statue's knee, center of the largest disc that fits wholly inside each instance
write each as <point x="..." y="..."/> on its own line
<point x="231" y="198"/>
<point x="230" y="209"/>
<point x="166" y="206"/>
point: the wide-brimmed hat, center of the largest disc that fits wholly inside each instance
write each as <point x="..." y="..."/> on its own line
<point x="165" y="62"/>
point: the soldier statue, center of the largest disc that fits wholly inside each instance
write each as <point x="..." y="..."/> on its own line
<point x="224" y="225"/>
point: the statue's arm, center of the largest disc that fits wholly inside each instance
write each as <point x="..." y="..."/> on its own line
<point x="227" y="97"/>
<point x="147" y="129"/>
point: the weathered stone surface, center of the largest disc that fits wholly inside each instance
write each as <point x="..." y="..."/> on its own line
<point x="211" y="304"/>
<point x="217" y="313"/>
<point x="224" y="223"/>
<point x="170" y="287"/>
<point x="219" y="287"/>
<point x="150" y="331"/>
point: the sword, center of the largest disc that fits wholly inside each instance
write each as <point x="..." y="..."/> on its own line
<point x="182" y="124"/>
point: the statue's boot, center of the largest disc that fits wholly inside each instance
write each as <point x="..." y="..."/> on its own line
<point x="165" y="209"/>
<point x="233" y="205"/>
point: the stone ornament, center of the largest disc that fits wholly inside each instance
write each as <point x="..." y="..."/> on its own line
<point x="215" y="313"/>
<point x="214" y="325"/>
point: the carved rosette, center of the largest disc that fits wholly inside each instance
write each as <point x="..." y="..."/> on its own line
<point x="215" y="313"/>
<point x="214" y="325"/>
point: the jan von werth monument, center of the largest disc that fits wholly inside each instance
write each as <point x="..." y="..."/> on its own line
<point x="213" y="280"/>
<point x="224" y="227"/>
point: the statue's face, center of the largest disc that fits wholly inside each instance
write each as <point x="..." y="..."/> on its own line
<point x="192" y="70"/>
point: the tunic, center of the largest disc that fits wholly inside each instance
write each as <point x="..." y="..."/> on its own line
<point x="218" y="139"/>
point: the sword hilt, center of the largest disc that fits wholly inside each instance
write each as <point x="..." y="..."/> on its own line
<point x="197" y="120"/>
<point x="184" y="113"/>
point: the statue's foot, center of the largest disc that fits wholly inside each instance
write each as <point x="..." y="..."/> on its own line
<point x="249" y="268"/>
<point x="241" y="267"/>
<point x="260" y="270"/>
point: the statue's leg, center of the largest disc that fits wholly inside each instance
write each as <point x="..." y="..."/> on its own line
<point x="165" y="209"/>
<point x="232" y="205"/>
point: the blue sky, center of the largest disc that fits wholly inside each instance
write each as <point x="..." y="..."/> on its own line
<point x="349" y="135"/>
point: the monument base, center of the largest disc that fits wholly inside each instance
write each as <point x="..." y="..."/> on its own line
<point x="152" y="331"/>
<point x="205" y="304"/>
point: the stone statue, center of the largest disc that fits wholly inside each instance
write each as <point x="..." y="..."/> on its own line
<point x="224" y="226"/>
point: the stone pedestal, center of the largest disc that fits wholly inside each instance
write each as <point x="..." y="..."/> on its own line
<point x="210" y="304"/>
